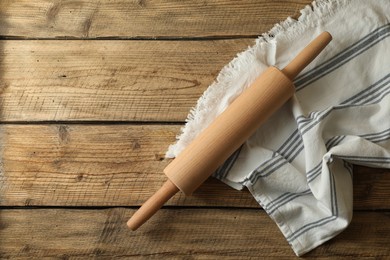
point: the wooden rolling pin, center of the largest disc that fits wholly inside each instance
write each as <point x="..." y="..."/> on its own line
<point x="229" y="131"/>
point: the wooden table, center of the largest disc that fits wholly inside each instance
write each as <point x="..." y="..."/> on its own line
<point x="93" y="92"/>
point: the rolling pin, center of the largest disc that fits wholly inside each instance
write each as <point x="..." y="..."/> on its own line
<point x="229" y="131"/>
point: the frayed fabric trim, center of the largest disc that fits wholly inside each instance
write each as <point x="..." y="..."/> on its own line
<point x="244" y="68"/>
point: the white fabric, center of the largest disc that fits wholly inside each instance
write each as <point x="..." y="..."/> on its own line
<point x="298" y="165"/>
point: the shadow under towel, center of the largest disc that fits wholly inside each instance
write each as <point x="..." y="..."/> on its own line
<point x="298" y="166"/>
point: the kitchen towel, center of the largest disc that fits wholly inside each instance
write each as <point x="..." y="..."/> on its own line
<point x="298" y="166"/>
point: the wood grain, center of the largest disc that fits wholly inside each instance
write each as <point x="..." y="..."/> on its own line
<point x="187" y="233"/>
<point x="365" y="183"/>
<point x="143" y="18"/>
<point x="108" y="80"/>
<point x="119" y="165"/>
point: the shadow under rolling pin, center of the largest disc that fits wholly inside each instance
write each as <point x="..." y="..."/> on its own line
<point x="229" y="130"/>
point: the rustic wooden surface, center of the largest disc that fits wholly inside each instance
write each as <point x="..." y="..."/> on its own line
<point x="91" y="95"/>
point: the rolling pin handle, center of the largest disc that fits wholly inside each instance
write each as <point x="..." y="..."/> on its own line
<point x="152" y="205"/>
<point x="307" y="55"/>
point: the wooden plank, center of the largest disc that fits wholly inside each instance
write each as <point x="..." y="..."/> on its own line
<point x="175" y="233"/>
<point x="94" y="165"/>
<point x="108" y="80"/>
<point x="118" y="165"/>
<point x="143" y="18"/>
<point x="366" y="182"/>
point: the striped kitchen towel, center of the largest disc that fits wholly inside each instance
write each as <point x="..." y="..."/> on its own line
<point x="298" y="166"/>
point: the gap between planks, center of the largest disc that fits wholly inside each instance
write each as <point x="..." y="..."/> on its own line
<point x="119" y="38"/>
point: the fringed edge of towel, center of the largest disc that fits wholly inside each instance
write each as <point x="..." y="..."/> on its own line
<point x="204" y="112"/>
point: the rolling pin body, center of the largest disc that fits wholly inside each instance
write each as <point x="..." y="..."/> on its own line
<point x="229" y="130"/>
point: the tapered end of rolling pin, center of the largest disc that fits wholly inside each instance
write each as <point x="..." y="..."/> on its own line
<point x="152" y="205"/>
<point x="307" y="55"/>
